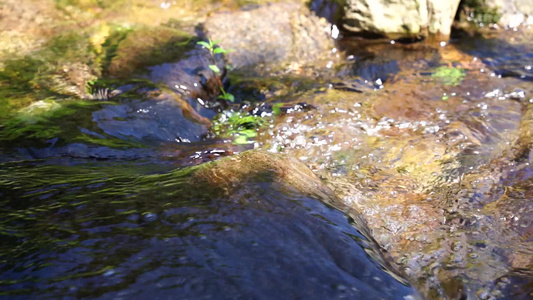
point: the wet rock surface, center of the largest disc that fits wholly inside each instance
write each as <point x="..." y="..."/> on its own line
<point x="426" y="149"/>
<point x="398" y="19"/>
<point x="271" y="35"/>
<point x="419" y="158"/>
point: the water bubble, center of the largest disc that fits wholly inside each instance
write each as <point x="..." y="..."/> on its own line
<point x="334" y="32"/>
<point x="149" y="217"/>
<point x="341" y="287"/>
<point x="484" y="295"/>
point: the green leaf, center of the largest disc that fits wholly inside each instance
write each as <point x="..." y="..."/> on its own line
<point x="220" y="50"/>
<point x="230" y="97"/>
<point x="227" y="96"/>
<point x="214" y="68"/>
<point x="241" y="140"/>
<point x="246" y="120"/>
<point x="276" y="109"/>
<point x="249" y="133"/>
<point x="205" y="44"/>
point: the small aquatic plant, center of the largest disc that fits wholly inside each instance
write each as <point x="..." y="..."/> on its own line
<point x="214" y="48"/>
<point x="450" y="76"/>
<point x="238" y="125"/>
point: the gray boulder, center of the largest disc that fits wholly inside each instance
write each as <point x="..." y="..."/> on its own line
<point x="271" y="36"/>
<point x="514" y="12"/>
<point x="400" y="18"/>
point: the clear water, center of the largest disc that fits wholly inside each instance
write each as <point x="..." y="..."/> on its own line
<point x="74" y="228"/>
<point x="99" y="198"/>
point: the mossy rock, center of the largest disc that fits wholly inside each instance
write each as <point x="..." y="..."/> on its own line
<point x="145" y="47"/>
<point x="61" y="68"/>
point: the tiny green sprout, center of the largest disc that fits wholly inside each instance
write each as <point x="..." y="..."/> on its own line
<point x="242" y="128"/>
<point x="214" y="48"/>
<point x="205" y="44"/>
<point x="226" y="96"/>
<point x="214" y="68"/>
<point x="276" y="109"/>
<point x="220" y="50"/>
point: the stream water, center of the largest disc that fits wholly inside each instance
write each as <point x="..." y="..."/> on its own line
<point x="432" y="145"/>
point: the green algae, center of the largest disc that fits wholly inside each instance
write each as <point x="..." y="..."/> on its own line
<point x="49" y="120"/>
<point x="18" y="85"/>
<point x="70" y="63"/>
<point x="110" y="45"/>
<point x="449" y="76"/>
<point x="146" y="46"/>
<point x="49" y="72"/>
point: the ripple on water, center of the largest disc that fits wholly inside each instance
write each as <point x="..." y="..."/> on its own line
<point x="109" y="231"/>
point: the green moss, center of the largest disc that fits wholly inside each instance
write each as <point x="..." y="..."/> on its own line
<point x="19" y="84"/>
<point x="71" y="46"/>
<point x="146" y="46"/>
<point x="49" y="119"/>
<point x="110" y="46"/>
<point x="47" y="72"/>
<point x="70" y="62"/>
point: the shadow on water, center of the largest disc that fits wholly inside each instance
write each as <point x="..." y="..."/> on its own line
<point x="507" y="57"/>
<point x="106" y="230"/>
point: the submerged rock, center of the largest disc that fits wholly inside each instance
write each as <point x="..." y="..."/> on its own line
<point x="398" y="19"/>
<point x="191" y="77"/>
<point x="104" y="130"/>
<point x="421" y="158"/>
<point x="252" y="226"/>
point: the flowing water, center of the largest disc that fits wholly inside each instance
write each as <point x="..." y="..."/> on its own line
<point x="138" y="229"/>
<point x="431" y="145"/>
